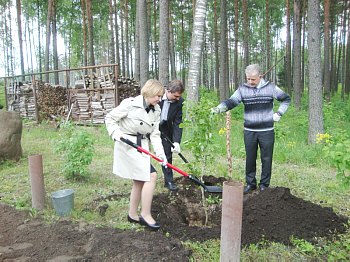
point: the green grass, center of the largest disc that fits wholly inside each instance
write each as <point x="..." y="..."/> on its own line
<point x="296" y="165"/>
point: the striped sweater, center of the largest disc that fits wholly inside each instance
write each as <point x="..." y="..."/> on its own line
<point x="258" y="104"/>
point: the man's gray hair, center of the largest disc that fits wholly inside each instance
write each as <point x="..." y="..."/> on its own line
<point x="253" y="69"/>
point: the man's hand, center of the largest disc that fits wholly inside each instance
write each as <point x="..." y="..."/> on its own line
<point x="215" y="110"/>
<point x="276" y="117"/>
<point x="176" y="149"/>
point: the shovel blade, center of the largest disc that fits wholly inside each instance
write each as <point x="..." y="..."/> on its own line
<point x="213" y="189"/>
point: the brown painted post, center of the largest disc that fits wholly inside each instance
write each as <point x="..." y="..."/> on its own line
<point x="37" y="181"/>
<point x="231" y="221"/>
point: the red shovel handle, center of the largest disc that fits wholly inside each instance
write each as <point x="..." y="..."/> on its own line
<point x="140" y="149"/>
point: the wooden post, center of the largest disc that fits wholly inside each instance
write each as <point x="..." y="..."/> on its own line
<point x="116" y="86"/>
<point x="37" y="181"/>
<point x="6" y="101"/>
<point x="35" y="100"/>
<point x="231" y="221"/>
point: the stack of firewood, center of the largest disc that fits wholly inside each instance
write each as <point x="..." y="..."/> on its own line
<point x="51" y="100"/>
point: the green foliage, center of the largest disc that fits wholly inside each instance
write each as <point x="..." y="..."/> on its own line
<point x="200" y="124"/>
<point x="337" y="151"/>
<point x="76" y="148"/>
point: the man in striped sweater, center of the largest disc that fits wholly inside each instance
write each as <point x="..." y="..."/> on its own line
<point x="257" y="96"/>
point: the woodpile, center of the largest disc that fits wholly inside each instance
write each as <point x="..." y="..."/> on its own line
<point x="51" y="100"/>
<point x="87" y="102"/>
<point x="90" y="105"/>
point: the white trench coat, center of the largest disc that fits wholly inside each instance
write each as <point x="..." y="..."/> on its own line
<point x="130" y="117"/>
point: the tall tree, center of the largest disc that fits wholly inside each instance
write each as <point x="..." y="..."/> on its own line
<point x="224" y="75"/>
<point x="196" y="50"/>
<point x="111" y="34"/>
<point x="144" y="41"/>
<point x="288" y="69"/>
<point x="315" y="72"/>
<point x="54" y="42"/>
<point x="19" y="28"/>
<point x="88" y="4"/>
<point x="216" y="49"/>
<point x="127" y="49"/>
<point x="297" y="54"/>
<point x="326" y="61"/>
<point x="268" y="37"/>
<point x="48" y="38"/>
<point x="164" y="42"/>
<point x="235" y="57"/>
<point x="246" y="31"/>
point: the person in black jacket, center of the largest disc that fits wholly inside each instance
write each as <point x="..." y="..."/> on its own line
<point x="170" y="120"/>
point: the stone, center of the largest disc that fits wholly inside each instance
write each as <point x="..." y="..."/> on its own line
<point x="10" y="135"/>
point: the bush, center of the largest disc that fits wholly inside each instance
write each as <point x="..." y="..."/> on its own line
<point x="76" y="149"/>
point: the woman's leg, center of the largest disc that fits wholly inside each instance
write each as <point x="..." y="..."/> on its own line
<point x="135" y="197"/>
<point x="146" y="198"/>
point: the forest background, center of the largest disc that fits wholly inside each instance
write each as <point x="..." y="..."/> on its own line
<point x="203" y="43"/>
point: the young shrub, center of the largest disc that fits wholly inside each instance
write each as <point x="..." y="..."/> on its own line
<point x="75" y="147"/>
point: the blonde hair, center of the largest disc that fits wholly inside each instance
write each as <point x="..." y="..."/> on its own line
<point x="152" y="88"/>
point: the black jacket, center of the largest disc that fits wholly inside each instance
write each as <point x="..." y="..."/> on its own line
<point x="171" y="127"/>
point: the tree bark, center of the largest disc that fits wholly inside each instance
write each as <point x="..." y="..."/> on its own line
<point x="326" y="63"/>
<point x="144" y="41"/>
<point x="288" y="69"/>
<point x="20" y="40"/>
<point x="48" y="38"/>
<point x="297" y="54"/>
<point x="164" y="42"/>
<point x="315" y="72"/>
<point x="196" y="51"/>
<point x="224" y="75"/>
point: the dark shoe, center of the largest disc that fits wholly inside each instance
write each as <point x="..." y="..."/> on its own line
<point x="131" y="220"/>
<point x="171" y="186"/>
<point x="153" y="227"/>
<point x="262" y="187"/>
<point x="248" y="189"/>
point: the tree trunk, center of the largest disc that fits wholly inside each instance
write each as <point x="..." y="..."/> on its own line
<point x="347" y="66"/>
<point x="224" y="76"/>
<point x="144" y="41"/>
<point x="268" y="39"/>
<point x="137" y="45"/>
<point x="127" y="50"/>
<point x="54" y="42"/>
<point x="297" y="54"/>
<point x="315" y="72"/>
<point x="164" y="42"/>
<point x="288" y="69"/>
<point x="84" y="27"/>
<point x="19" y="27"/>
<point x="111" y="33"/>
<point x="326" y="63"/>
<point x="216" y="49"/>
<point x="90" y="31"/>
<point x="172" y="50"/>
<point x="48" y="38"/>
<point x="235" y="59"/>
<point x="246" y="32"/>
<point x="196" y="50"/>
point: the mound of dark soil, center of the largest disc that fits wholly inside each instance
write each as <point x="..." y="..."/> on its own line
<point x="273" y="214"/>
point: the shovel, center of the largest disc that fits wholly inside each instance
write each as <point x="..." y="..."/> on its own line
<point x="210" y="189"/>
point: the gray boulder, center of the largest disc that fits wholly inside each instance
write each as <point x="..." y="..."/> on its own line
<point x="10" y="135"/>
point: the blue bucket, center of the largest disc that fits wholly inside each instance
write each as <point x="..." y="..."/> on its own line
<point x="63" y="201"/>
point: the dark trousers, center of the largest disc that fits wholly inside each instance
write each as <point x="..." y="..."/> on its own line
<point x="168" y="172"/>
<point x="265" y="141"/>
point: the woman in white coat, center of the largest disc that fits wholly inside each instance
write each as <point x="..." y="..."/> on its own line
<point x="137" y="119"/>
